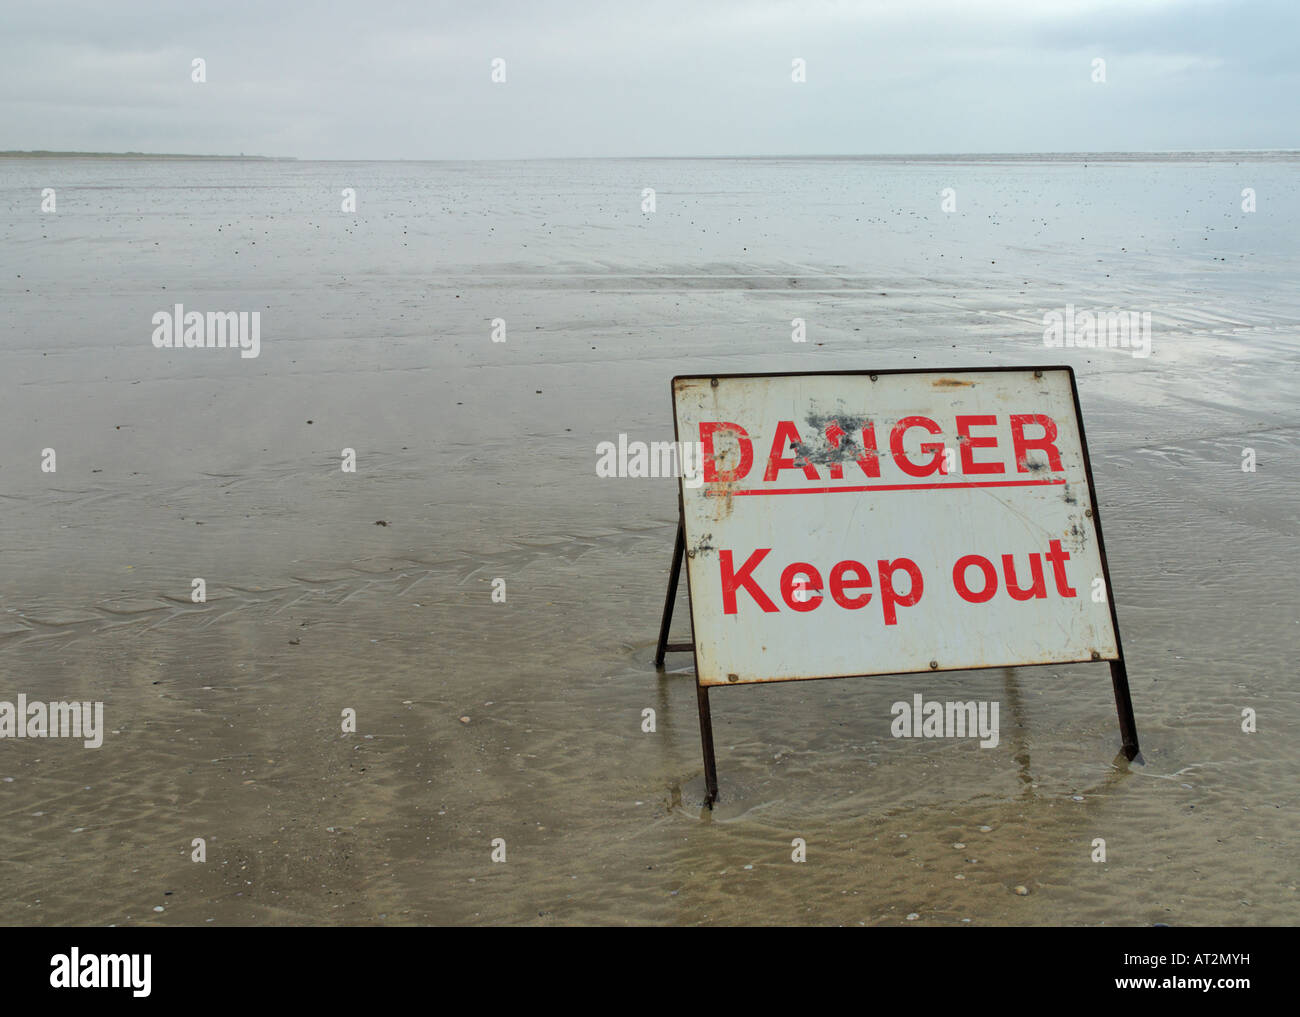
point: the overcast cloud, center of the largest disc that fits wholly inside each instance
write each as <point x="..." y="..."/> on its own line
<point x="392" y="79"/>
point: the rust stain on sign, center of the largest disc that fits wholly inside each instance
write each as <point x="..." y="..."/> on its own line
<point x="723" y="500"/>
<point x="952" y="383"/>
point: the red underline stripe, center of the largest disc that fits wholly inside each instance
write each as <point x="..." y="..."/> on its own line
<point x="888" y="487"/>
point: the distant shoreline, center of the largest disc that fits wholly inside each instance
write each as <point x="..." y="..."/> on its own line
<point x="45" y="154"/>
<point x="1190" y="155"/>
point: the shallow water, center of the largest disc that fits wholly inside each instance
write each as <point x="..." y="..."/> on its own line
<point x="480" y="458"/>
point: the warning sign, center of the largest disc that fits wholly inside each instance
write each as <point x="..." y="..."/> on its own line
<point x="862" y="524"/>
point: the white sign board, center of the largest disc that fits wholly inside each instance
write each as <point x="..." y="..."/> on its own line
<point x="860" y="524"/>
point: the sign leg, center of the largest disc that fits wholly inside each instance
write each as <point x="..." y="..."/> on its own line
<point x="1124" y="705"/>
<point x="679" y="552"/>
<point x="706" y="739"/>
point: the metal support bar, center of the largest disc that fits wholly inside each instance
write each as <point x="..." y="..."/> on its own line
<point x="706" y="739"/>
<point x="679" y="552"/>
<point x="1124" y="706"/>
<point x="701" y="692"/>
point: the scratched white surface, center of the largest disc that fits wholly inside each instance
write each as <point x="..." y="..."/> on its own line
<point x="932" y="527"/>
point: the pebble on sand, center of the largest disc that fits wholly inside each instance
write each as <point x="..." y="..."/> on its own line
<point x="464" y="720"/>
<point x="1022" y="891"/>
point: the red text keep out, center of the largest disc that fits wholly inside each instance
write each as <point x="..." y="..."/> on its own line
<point x="899" y="583"/>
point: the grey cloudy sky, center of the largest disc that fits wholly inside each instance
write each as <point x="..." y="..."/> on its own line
<point x="390" y="79"/>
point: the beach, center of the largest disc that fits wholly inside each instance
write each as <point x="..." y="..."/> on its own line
<point x="521" y="719"/>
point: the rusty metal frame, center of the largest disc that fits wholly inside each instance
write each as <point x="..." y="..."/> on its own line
<point x="1118" y="669"/>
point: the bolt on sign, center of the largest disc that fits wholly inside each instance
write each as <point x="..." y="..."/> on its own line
<point x="853" y="524"/>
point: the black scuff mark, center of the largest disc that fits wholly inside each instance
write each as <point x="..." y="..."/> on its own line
<point x="850" y="448"/>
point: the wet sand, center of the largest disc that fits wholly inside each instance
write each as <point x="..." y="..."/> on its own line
<point x="224" y="717"/>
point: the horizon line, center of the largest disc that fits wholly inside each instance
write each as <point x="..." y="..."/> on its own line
<point x="1112" y="154"/>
